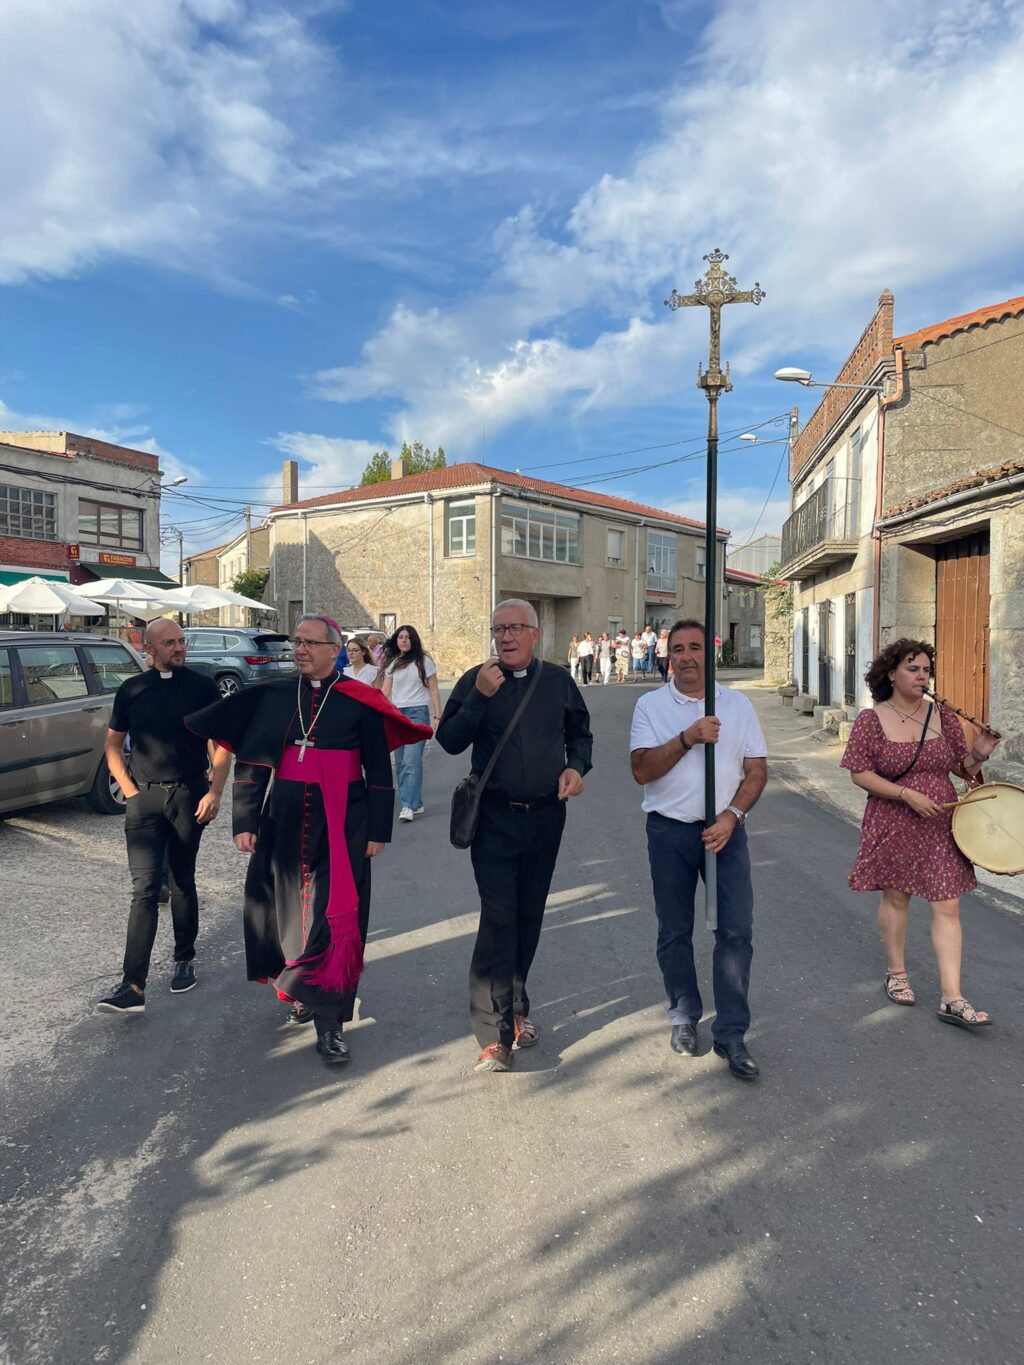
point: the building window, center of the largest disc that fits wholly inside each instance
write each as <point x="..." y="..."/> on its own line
<point x="661" y="561"/>
<point x="460" y="527"/>
<point x="101" y="523"/>
<point x="539" y="533"/>
<point x="702" y="562"/>
<point x="27" y="514"/>
<point x="616" y="546"/>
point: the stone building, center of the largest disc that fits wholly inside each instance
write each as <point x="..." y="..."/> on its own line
<point x="744" y="617"/>
<point x="906" y="515"/>
<point x="439" y="549"/>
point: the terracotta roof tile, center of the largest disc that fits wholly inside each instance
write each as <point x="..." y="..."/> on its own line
<point x="978" y="480"/>
<point x="470" y="474"/>
<point x="1011" y="308"/>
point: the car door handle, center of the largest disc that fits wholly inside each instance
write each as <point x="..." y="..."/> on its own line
<point x="96" y="707"/>
<point x="9" y="724"/>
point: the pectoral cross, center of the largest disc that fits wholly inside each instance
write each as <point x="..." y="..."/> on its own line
<point x="302" y="745"/>
<point x="713" y="292"/>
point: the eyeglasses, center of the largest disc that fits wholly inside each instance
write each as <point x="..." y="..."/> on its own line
<point x="515" y="629"/>
<point x="308" y="644"/>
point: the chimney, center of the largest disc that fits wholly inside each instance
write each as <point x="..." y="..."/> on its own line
<point x="399" y="467"/>
<point x="290" y="480"/>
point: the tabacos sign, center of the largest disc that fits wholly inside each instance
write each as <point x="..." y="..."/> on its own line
<point x="108" y="557"/>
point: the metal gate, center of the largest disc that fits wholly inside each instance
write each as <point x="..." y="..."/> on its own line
<point x="826" y="616"/>
<point x="805" y="651"/>
<point x="961" y="623"/>
<point x="850" y="661"/>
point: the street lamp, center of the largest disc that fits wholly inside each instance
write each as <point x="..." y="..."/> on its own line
<point x="790" y="374"/>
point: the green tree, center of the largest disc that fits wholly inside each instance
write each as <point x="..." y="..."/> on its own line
<point x="251" y="582"/>
<point x="778" y="596"/>
<point x="418" y="457"/>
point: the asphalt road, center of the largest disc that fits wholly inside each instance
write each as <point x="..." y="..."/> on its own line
<point x="194" y="1185"/>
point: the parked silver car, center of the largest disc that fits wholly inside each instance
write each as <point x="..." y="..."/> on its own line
<point x="238" y="656"/>
<point x="56" y="691"/>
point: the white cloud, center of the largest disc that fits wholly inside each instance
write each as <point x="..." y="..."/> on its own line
<point x="743" y="511"/>
<point x="843" y="151"/>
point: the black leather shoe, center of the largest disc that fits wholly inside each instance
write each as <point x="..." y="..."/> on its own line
<point x="332" y="1047"/>
<point x="299" y="1014"/>
<point x="683" y="1039"/>
<point x="741" y="1064"/>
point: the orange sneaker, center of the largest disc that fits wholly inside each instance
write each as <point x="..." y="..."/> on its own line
<point x="495" y="1057"/>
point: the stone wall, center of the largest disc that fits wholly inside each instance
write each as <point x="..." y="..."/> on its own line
<point x="778" y="643"/>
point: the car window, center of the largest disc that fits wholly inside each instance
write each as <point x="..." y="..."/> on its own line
<point x="6" y="681"/>
<point x="206" y="644"/>
<point x="113" y="665"/>
<point x="272" y="644"/>
<point x="52" y="673"/>
<point x="233" y="642"/>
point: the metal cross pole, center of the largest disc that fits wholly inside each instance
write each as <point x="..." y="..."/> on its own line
<point x="714" y="291"/>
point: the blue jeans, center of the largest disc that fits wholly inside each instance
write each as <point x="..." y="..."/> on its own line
<point x="677" y="860"/>
<point x="409" y="762"/>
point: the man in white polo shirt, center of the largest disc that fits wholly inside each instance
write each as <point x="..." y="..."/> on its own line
<point x="668" y="732"/>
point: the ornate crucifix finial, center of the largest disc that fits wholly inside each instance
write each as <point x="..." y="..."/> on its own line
<point x="713" y="292"/>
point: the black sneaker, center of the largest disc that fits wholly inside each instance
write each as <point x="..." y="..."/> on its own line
<point x="184" y="977"/>
<point x="125" y="1000"/>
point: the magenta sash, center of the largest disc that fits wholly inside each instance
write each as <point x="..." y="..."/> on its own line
<point x="339" y="967"/>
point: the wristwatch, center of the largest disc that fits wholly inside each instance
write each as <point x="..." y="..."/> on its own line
<point x="741" y="815"/>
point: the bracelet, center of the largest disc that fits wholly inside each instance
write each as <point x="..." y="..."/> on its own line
<point x="903" y="792"/>
<point x="687" y="746"/>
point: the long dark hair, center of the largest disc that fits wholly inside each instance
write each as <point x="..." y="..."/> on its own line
<point x="392" y="655"/>
<point x="877" y="677"/>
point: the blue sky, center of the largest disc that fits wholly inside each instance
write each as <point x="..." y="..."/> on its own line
<point x="237" y="230"/>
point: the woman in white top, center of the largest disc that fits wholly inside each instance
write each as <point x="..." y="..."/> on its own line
<point x="410" y="683"/>
<point x="585" y="656"/>
<point x="638" y="655"/>
<point x="573" y="658"/>
<point x="360" y="667"/>
<point x="605" y="649"/>
<point x="661" y="655"/>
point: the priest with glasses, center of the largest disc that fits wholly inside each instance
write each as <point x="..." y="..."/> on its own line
<point x="325" y="740"/>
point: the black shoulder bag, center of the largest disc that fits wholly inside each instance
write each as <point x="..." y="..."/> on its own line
<point x="920" y="744"/>
<point x="466" y="796"/>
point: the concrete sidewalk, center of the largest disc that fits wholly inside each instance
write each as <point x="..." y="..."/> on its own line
<point x="806" y="760"/>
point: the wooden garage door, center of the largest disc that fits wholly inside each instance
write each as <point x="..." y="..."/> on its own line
<point x="961" y="623"/>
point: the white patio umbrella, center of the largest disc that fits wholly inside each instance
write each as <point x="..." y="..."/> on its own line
<point x="121" y="589"/>
<point x="44" y="597"/>
<point x="205" y="597"/>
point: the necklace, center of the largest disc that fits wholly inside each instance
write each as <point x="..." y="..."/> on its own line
<point x="314" y="715"/>
<point x="906" y="715"/>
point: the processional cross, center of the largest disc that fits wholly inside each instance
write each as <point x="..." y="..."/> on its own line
<point x="714" y="291"/>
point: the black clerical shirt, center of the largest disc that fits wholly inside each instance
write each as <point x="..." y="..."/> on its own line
<point x="151" y="707"/>
<point x="554" y="733"/>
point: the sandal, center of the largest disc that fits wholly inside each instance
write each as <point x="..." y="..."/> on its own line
<point x="897" y="988"/>
<point x="962" y="1013"/>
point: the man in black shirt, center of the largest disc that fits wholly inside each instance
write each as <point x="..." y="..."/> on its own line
<point x="522" y="816"/>
<point x="169" y="801"/>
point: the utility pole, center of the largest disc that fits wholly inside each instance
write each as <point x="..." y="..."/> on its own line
<point x="713" y="291"/>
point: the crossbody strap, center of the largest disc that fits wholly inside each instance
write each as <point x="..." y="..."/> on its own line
<point x="517" y="716"/>
<point x="920" y="743"/>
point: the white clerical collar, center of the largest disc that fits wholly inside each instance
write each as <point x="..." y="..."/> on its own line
<point x="315" y="682"/>
<point x="165" y="675"/>
<point x="521" y="673"/>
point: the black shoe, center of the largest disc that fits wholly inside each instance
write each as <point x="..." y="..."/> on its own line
<point x="184" y="977"/>
<point x="741" y="1064"/>
<point x="683" y="1039"/>
<point x="299" y="1014"/>
<point x="125" y="1000"/>
<point x="332" y="1047"/>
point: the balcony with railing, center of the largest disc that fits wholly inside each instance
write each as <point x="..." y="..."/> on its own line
<point x="821" y="532"/>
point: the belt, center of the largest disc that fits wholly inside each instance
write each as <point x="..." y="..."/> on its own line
<point x="169" y="786"/>
<point x="523" y="807"/>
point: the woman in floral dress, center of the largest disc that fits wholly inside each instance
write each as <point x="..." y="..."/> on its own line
<point x="906" y="841"/>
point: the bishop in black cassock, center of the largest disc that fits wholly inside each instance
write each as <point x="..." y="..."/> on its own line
<point x="326" y="743"/>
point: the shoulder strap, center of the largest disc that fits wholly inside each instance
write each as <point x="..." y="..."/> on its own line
<point x="920" y="744"/>
<point x="516" y="718"/>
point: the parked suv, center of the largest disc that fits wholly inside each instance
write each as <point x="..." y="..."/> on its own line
<point x="238" y="656"/>
<point x="56" y="691"/>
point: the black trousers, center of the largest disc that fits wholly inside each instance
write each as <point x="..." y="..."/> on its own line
<point x="587" y="666"/>
<point x="160" y="824"/>
<point x="513" y="855"/>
